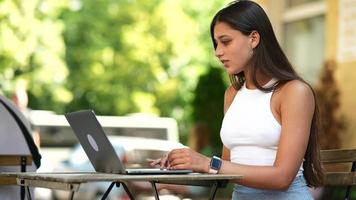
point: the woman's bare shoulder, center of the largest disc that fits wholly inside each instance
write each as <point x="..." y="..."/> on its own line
<point x="230" y="94"/>
<point x="297" y="90"/>
<point x="296" y="86"/>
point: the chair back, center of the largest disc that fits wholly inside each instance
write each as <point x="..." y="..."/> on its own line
<point x="337" y="163"/>
<point x="14" y="160"/>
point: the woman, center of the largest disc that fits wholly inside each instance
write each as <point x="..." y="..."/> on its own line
<point x="270" y="129"/>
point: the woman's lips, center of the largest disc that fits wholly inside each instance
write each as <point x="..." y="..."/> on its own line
<point x="224" y="62"/>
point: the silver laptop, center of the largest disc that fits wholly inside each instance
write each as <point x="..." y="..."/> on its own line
<point x="99" y="149"/>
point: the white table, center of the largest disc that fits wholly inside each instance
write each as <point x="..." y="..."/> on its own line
<point x="71" y="181"/>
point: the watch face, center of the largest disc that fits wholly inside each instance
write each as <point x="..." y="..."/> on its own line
<point x="215" y="163"/>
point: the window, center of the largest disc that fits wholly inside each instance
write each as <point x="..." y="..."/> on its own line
<point x="303" y="36"/>
<point x="304" y="46"/>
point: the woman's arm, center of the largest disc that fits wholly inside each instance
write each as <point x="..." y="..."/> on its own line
<point x="225" y="154"/>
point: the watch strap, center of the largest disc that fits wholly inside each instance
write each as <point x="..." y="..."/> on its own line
<point x="212" y="171"/>
<point x="215" y="164"/>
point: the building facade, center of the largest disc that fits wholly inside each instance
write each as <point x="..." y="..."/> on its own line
<point x="313" y="32"/>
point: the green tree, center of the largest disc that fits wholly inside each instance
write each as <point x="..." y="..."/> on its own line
<point x="208" y="104"/>
<point x="197" y="56"/>
<point x="114" y="56"/>
<point x="138" y="56"/>
<point x="32" y="50"/>
<point x="332" y="122"/>
<point x="123" y="56"/>
<point x="105" y="69"/>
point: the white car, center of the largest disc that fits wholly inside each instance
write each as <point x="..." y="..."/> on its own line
<point x="133" y="151"/>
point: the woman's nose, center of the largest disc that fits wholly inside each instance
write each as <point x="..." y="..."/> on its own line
<point x="218" y="52"/>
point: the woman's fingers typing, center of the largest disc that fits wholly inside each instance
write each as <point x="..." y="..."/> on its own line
<point x="180" y="163"/>
<point x="161" y="162"/>
<point x="183" y="158"/>
<point x="164" y="161"/>
<point x="154" y="162"/>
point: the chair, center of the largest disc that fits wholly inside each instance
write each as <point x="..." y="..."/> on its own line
<point x="17" y="149"/>
<point x="14" y="160"/>
<point x="338" y="171"/>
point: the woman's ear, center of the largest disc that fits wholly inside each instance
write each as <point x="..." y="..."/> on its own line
<point x="255" y="39"/>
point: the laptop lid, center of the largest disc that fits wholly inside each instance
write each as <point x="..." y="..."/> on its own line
<point x="96" y="145"/>
<point x="98" y="148"/>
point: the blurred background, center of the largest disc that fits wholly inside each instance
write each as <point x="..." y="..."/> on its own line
<point x="156" y="57"/>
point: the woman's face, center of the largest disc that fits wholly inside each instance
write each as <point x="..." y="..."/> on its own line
<point x="233" y="48"/>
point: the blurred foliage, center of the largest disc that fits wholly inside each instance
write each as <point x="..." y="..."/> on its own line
<point x="208" y="104"/>
<point x="333" y="123"/>
<point x="114" y="56"/>
<point x="32" y="50"/>
<point x="124" y="56"/>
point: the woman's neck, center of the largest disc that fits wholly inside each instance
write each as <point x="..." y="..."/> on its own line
<point x="262" y="79"/>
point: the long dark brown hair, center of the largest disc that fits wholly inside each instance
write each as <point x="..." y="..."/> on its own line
<point x="269" y="59"/>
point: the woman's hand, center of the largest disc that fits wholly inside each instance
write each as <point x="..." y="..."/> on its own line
<point x="184" y="158"/>
<point x="162" y="162"/>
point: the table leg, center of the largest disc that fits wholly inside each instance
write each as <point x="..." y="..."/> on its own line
<point x="108" y="191"/>
<point x="71" y="195"/>
<point x="118" y="185"/>
<point x="128" y="191"/>
<point x="22" y="191"/>
<point x="213" y="190"/>
<point x="23" y="169"/>
<point x="28" y="193"/>
<point x="155" y="190"/>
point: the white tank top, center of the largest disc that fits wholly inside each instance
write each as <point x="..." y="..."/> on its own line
<point x="249" y="129"/>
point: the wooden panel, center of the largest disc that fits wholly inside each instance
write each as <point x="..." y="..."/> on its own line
<point x="7" y="181"/>
<point x="338" y="155"/>
<point x="340" y="178"/>
<point x="14" y="160"/>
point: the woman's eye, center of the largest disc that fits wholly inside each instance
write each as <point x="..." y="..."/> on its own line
<point x="225" y="42"/>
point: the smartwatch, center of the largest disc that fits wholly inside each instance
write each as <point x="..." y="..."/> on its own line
<point x="215" y="164"/>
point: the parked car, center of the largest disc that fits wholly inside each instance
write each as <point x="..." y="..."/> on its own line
<point x="132" y="151"/>
<point x="56" y="132"/>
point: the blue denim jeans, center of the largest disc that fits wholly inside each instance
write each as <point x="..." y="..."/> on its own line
<point x="298" y="190"/>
